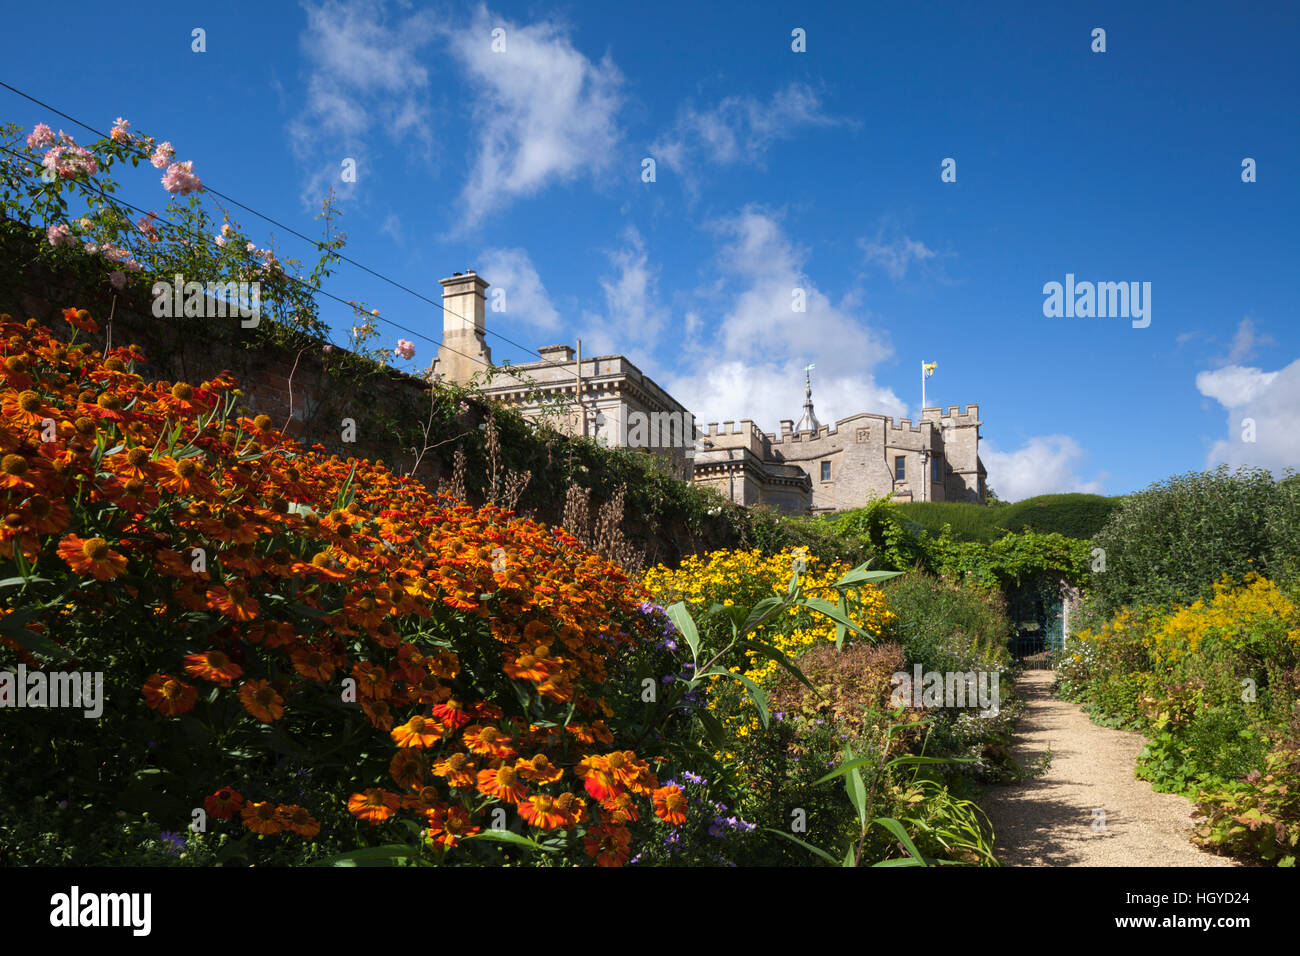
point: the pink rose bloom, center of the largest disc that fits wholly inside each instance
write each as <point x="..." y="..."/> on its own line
<point x="133" y="265"/>
<point x="58" y="235"/>
<point x="180" y="179"/>
<point x="118" y="133"/>
<point x="118" y="278"/>
<point x="163" y="155"/>
<point x="221" y="240"/>
<point x="41" y="137"/>
<point x="226" y="230"/>
<point x="70" y="161"/>
<point x="405" y="349"/>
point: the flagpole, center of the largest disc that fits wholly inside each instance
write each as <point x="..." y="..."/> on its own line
<point x="922" y="390"/>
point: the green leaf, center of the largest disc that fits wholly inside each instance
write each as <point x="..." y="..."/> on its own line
<point x="830" y="610"/>
<point x="844" y="768"/>
<point x="10" y="582"/>
<point x="807" y="846"/>
<point x="756" y="693"/>
<point x="713" y="728"/>
<point x="896" y="828"/>
<point x="386" y="855"/>
<point x="772" y="653"/>
<point x="860" y="575"/>
<point x="760" y="610"/>
<point x="507" y="836"/>
<point x="857" y="789"/>
<point x="914" y="759"/>
<point x="681" y="618"/>
<point x="839" y="625"/>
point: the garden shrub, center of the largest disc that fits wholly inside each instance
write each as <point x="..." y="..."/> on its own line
<point x="1168" y="544"/>
<point x="946" y="627"/>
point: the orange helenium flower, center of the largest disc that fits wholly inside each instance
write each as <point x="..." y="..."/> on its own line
<point x="91" y="556"/>
<point x="214" y="666"/>
<point x="260" y="699"/>
<point x="418" y="732"/>
<point x="262" y="817"/>
<point x="502" y="783"/>
<point x="670" y="805"/>
<point x="168" y="695"/>
<point x="223" y="804"/>
<point x="373" y="805"/>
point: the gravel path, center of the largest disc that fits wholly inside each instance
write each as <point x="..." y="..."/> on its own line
<point x="1055" y="819"/>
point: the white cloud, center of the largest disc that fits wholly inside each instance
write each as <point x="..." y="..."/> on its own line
<point x="365" y="77"/>
<point x="766" y="343"/>
<point x="526" y="299"/>
<point x="543" y="111"/>
<point x="1270" y="400"/>
<point x="894" y="257"/>
<point x="1245" y="343"/>
<point x="1042" y="465"/>
<point x="738" y="130"/>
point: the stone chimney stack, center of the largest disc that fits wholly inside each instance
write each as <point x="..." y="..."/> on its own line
<point x="463" y="351"/>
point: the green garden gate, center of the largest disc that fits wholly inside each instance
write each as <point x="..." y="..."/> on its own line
<point x="1037" y="611"/>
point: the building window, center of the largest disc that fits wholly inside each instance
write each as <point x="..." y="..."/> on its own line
<point x="935" y="467"/>
<point x="826" y="471"/>
<point x="900" y="468"/>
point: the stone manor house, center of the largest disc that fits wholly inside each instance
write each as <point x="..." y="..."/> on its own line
<point x="807" y="468"/>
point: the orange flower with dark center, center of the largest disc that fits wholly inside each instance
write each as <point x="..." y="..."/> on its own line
<point x="223" y="804"/>
<point x="80" y="319"/>
<point x="262" y="817"/>
<point x="622" y="808"/>
<point x="212" y="665"/>
<point x="373" y="681"/>
<point x="311" y="663"/>
<point x="453" y="714"/>
<point x="608" y="844"/>
<point x="526" y="667"/>
<point x="44" y="516"/>
<point x="502" y="783"/>
<point x="541" y="811"/>
<point x="298" y="820"/>
<point x="459" y="770"/>
<point x="91" y="556"/>
<point x="539" y="769"/>
<point x="418" y="732"/>
<point x="407" y="768"/>
<point x="378" y="713"/>
<point x="670" y="805"/>
<point x="598" y="777"/>
<point x="448" y="827"/>
<point x="260" y="699"/>
<point x="486" y="740"/>
<point x="373" y="805"/>
<point x="169" y="695"/>
<point x="233" y="601"/>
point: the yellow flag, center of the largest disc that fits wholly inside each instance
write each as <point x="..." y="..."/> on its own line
<point x="929" y="368"/>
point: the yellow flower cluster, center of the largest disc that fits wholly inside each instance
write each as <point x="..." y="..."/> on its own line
<point x="745" y="578"/>
<point x="1253" y="612"/>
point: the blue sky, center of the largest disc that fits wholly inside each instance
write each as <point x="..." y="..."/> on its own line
<point x="775" y="170"/>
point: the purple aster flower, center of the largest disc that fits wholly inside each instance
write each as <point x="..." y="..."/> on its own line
<point x="175" y="839"/>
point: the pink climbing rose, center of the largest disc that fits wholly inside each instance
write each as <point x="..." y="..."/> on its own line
<point x="163" y="155"/>
<point x="405" y="349"/>
<point x="180" y="179"/>
<point x="41" y="137"/>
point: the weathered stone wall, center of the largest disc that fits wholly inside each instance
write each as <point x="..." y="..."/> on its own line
<point x="300" y="388"/>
